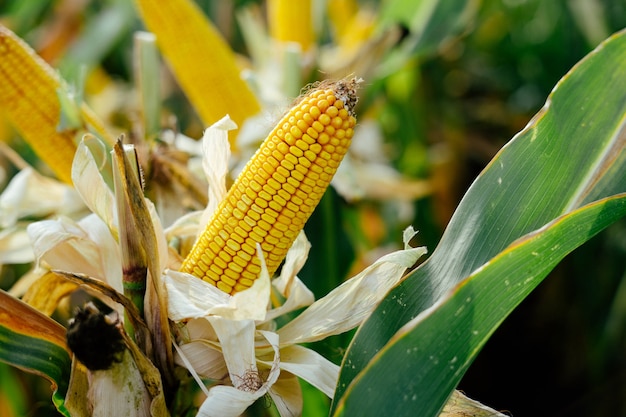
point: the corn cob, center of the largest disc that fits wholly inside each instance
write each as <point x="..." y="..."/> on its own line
<point x="291" y="21"/>
<point x="204" y="64"/>
<point x="277" y="191"/>
<point x="28" y="95"/>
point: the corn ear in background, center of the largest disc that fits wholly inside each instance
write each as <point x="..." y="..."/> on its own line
<point x="200" y="58"/>
<point x="291" y="21"/>
<point x="28" y="95"/>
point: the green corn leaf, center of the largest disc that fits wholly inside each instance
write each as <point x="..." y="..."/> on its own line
<point x="431" y="24"/>
<point x="555" y="185"/>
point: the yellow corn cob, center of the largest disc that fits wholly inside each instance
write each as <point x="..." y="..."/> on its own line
<point x="340" y="12"/>
<point x="202" y="61"/>
<point x="291" y="21"/>
<point x="28" y="95"/>
<point x="277" y="191"/>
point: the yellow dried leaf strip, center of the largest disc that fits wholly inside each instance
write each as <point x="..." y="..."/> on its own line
<point x="202" y="61"/>
<point x="28" y="95"/>
<point x="46" y="293"/>
<point x="277" y="191"/>
<point x="291" y="21"/>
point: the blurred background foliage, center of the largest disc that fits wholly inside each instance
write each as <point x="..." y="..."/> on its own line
<point x="443" y="116"/>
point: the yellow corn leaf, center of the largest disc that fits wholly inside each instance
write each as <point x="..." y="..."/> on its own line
<point x="202" y="61"/>
<point x="291" y="21"/>
<point x="29" y="96"/>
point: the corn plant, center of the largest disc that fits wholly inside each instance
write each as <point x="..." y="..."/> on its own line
<point x="196" y="306"/>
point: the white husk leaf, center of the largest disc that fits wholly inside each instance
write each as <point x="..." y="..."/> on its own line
<point x="15" y="247"/>
<point x="89" y="182"/>
<point x="30" y="194"/>
<point x="119" y="391"/>
<point x="216" y="154"/>
<point x="86" y="246"/>
<point x="287" y="395"/>
<point x="351" y="302"/>
<point x="310" y="366"/>
<point x="206" y="360"/>
<point x="190" y="297"/>
<point x="227" y="401"/>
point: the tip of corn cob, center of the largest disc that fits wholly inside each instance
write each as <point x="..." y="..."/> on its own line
<point x="345" y="91"/>
<point x="278" y="189"/>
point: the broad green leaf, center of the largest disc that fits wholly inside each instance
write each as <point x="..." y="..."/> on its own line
<point x="569" y="155"/>
<point x="442" y="342"/>
<point x="34" y="343"/>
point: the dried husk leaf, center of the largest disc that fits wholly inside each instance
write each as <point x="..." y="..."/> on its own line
<point x="144" y="223"/>
<point x="460" y="405"/>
